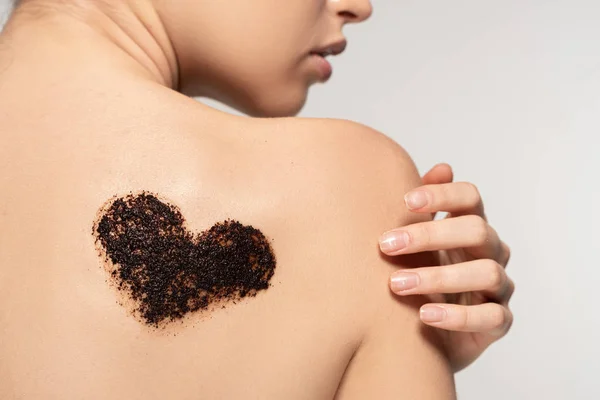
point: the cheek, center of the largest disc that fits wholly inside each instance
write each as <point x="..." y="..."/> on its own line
<point x="272" y="93"/>
<point x="268" y="87"/>
<point x="259" y="71"/>
<point x="258" y="76"/>
<point x="281" y="84"/>
<point x="270" y="70"/>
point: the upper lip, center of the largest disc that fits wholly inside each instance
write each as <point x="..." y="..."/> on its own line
<point x="332" y="48"/>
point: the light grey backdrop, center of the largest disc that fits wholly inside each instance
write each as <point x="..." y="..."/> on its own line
<point x="508" y="93"/>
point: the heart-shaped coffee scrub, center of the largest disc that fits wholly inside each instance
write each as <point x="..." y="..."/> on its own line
<point x="168" y="271"/>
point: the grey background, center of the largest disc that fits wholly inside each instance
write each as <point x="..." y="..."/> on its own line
<point x="508" y="93"/>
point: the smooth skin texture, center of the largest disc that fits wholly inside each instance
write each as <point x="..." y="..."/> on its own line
<point x="89" y="111"/>
<point x="328" y="328"/>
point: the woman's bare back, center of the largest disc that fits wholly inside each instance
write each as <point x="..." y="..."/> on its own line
<point x="309" y="186"/>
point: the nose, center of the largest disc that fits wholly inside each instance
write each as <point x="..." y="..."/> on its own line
<point x="353" y="11"/>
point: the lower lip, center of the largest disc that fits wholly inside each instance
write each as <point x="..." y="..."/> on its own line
<point x="325" y="69"/>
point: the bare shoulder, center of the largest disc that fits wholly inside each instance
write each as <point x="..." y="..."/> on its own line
<point x="364" y="175"/>
<point x="348" y="170"/>
<point x="368" y="171"/>
<point x="352" y="141"/>
<point x="347" y="155"/>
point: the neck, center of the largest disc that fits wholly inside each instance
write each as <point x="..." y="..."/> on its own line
<point x="127" y="36"/>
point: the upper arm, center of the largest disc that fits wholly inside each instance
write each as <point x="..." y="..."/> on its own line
<point x="399" y="356"/>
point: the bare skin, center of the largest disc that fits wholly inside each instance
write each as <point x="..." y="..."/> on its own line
<point x="89" y="112"/>
<point x="87" y="133"/>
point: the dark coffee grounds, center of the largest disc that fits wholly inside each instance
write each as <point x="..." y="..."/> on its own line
<point x="169" y="272"/>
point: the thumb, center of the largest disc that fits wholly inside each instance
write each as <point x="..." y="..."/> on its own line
<point x="440" y="173"/>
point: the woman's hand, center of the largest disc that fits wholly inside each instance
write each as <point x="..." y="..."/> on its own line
<point x="474" y="309"/>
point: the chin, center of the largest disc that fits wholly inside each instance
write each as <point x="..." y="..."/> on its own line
<point x="275" y="111"/>
<point x="274" y="106"/>
<point x="259" y="102"/>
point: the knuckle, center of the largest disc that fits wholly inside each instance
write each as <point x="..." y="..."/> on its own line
<point x="472" y="187"/>
<point x="474" y="193"/>
<point x="511" y="289"/>
<point x="496" y="274"/>
<point x="499" y="318"/>
<point x="509" y="318"/>
<point x="507" y="253"/>
<point x="503" y="322"/>
<point x="481" y="232"/>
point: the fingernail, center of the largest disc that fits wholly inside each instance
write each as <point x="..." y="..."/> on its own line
<point x="415" y="200"/>
<point x="402" y="281"/>
<point x="432" y="314"/>
<point x="393" y="241"/>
